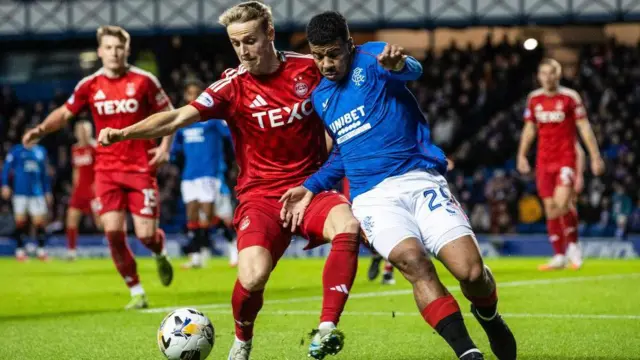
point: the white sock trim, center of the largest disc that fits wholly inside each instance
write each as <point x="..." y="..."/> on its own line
<point x="326" y="325"/>
<point x="244" y="342"/>
<point x="485" y="318"/>
<point x="474" y="350"/>
<point x="136" y="290"/>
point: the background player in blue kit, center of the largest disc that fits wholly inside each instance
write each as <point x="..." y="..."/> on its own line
<point x="399" y="195"/>
<point x="202" y="145"/>
<point x="30" y="192"/>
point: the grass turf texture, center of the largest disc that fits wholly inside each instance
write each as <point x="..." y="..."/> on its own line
<point x="65" y="310"/>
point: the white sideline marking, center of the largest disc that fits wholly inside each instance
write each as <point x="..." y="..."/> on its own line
<point x="520" y="283"/>
<point x="416" y="314"/>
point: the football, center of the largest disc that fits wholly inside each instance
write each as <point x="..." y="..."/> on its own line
<point x="186" y="334"/>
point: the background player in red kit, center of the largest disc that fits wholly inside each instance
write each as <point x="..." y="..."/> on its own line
<point x="555" y="112"/>
<point x="120" y="95"/>
<point x="83" y="196"/>
<point x="279" y="141"/>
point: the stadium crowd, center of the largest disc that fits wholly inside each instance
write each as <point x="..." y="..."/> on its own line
<point x="474" y="100"/>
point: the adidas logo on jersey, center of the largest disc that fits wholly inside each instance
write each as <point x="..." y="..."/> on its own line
<point x="257" y="102"/>
<point x="99" y="95"/>
<point x="340" y="288"/>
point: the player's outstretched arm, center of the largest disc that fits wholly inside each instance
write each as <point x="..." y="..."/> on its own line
<point x="526" y="140"/>
<point x="56" y="120"/>
<point x="589" y="138"/>
<point x="399" y="66"/>
<point x="155" y="126"/>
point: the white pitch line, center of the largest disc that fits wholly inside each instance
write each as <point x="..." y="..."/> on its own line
<point x="416" y="314"/>
<point x="520" y="283"/>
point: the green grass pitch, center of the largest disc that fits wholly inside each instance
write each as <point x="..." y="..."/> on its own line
<point x="65" y="310"/>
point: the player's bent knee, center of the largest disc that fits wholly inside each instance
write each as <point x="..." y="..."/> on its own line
<point x="254" y="267"/>
<point x="471" y="273"/>
<point x="340" y="221"/>
<point x="253" y="277"/>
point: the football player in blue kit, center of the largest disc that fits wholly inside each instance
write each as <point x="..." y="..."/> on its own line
<point x="30" y="194"/>
<point x="202" y="145"/>
<point x="399" y="195"/>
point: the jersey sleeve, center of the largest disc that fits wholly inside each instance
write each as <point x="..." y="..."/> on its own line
<point x="156" y="95"/>
<point x="80" y="97"/>
<point x="7" y="167"/>
<point x="44" y="167"/>
<point x="216" y="101"/>
<point x="177" y="144"/>
<point x="223" y="128"/>
<point x="576" y="108"/>
<point x="328" y="175"/>
<point x="528" y="110"/>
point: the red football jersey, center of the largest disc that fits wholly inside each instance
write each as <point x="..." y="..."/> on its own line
<point x="278" y="138"/>
<point x="555" y="116"/>
<point x="118" y="103"/>
<point x="83" y="159"/>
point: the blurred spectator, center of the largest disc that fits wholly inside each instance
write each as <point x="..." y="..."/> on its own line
<point x="620" y="210"/>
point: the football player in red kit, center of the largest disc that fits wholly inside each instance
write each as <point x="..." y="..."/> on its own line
<point x="119" y="95"/>
<point x="279" y="141"/>
<point x="83" y="201"/>
<point x="557" y="114"/>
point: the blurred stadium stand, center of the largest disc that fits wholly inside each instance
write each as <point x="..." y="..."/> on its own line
<point x="477" y="73"/>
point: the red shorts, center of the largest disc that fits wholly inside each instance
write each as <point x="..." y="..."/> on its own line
<point x="548" y="180"/>
<point x="136" y="192"/>
<point x="83" y="201"/>
<point x="258" y="223"/>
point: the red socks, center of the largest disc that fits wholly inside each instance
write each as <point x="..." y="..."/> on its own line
<point x="555" y="231"/>
<point x="439" y="309"/>
<point x="570" y="226"/>
<point x="338" y="275"/>
<point x="72" y="238"/>
<point x="155" y="243"/>
<point x="123" y="258"/>
<point x="246" y="306"/>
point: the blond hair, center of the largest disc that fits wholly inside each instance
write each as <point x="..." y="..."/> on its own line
<point x="113" y="30"/>
<point x="247" y="11"/>
<point x="553" y="63"/>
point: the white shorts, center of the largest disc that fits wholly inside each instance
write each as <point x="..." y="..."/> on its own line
<point x="223" y="207"/>
<point x="202" y="189"/>
<point x="31" y="205"/>
<point x="418" y="205"/>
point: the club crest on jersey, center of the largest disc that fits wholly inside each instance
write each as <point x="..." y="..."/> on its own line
<point x="559" y="105"/>
<point x="205" y="100"/>
<point x="131" y="89"/>
<point x="301" y="88"/>
<point x="358" y="77"/>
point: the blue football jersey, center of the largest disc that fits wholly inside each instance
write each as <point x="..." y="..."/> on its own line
<point x="202" y="144"/>
<point x="29" y="170"/>
<point x="376" y="123"/>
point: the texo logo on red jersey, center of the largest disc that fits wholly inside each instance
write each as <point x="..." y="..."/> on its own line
<point x="550" y="116"/>
<point x="111" y="107"/>
<point x="276" y="116"/>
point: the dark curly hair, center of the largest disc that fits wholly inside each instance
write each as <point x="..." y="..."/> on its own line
<point x="327" y="27"/>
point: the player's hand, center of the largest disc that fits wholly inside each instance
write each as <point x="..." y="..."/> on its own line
<point x="597" y="166"/>
<point x="49" y="198"/>
<point x="32" y="136"/>
<point x="6" y="192"/>
<point x="160" y="156"/>
<point x="450" y="164"/>
<point x="523" y="165"/>
<point x="392" y="57"/>
<point x="110" y="136"/>
<point x="294" y="202"/>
